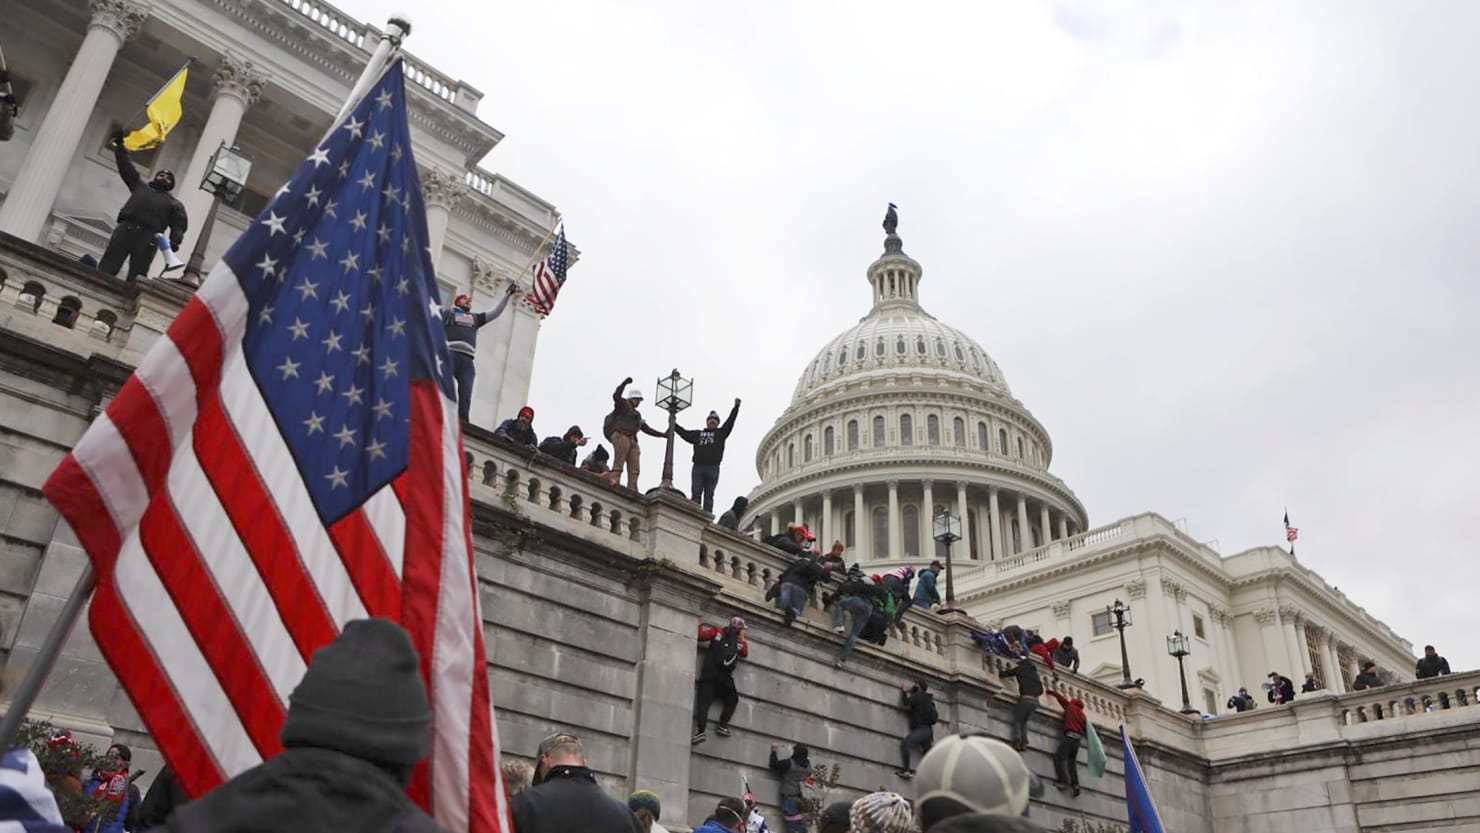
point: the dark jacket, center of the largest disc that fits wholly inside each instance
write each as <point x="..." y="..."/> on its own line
<point x="1242" y="702"/>
<point x="625" y="419"/>
<point x="731" y="517"/>
<point x="1431" y="666"/>
<point x="560" y="448"/>
<point x="306" y="790"/>
<point x="1029" y="683"/>
<point x="511" y="430"/>
<point x="786" y="543"/>
<point x="792" y="773"/>
<point x="1309" y="685"/>
<point x="805" y="572"/>
<point x="163" y="798"/>
<point x="1066" y="656"/>
<point x="1283" y="690"/>
<point x="925" y="592"/>
<point x="709" y="443"/>
<point x="153" y="209"/>
<point x="726" y="647"/>
<point x="569" y="800"/>
<point x="1366" y="679"/>
<point x="918" y="705"/>
<point x="462" y="327"/>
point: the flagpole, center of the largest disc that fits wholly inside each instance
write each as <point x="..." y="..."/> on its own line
<point x="46" y="656"/>
<point x="396" y="30"/>
<point x="541" y="246"/>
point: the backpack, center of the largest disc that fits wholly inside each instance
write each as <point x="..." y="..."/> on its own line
<point x="607" y="423"/>
<point x="928" y="712"/>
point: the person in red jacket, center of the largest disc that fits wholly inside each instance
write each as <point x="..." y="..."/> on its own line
<point x="724" y="648"/>
<point x="1066" y="756"/>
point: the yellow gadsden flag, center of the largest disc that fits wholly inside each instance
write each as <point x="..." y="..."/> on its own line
<point x="163" y="112"/>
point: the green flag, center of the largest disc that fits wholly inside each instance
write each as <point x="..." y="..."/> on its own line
<point x="1095" y="750"/>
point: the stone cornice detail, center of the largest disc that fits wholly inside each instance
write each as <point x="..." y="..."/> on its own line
<point x="1135" y="588"/>
<point x="1346" y="610"/>
<point x="442" y="189"/>
<point x="1062" y="608"/>
<point x="238" y="77"/>
<point x="1291" y="614"/>
<point x="1219" y="614"/>
<point x="121" y="18"/>
<point x="1265" y="616"/>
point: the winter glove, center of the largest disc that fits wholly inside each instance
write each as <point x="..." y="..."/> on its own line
<point x="116" y="140"/>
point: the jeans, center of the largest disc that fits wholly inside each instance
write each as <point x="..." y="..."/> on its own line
<point x="1022" y="710"/>
<point x="1066" y="760"/>
<point x="463" y="372"/>
<point x="921" y="736"/>
<point x="710" y="689"/>
<point x="625" y="452"/>
<point x="132" y="241"/>
<point x="860" y="609"/>
<point x="792" y="597"/>
<point x="702" y="480"/>
<point x="791" y="812"/>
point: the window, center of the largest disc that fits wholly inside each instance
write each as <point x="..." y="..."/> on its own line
<point x="878" y="432"/>
<point x="852" y="435"/>
<point x="879" y="347"/>
<point x="827" y="442"/>
<point x="842" y="357"/>
<point x="1210" y="701"/>
<point x="881" y="532"/>
<point x="899" y="345"/>
<point x="807" y="449"/>
<point x="862" y="351"/>
<point x="791" y="455"/>
<point x="932" y="429"/>
<point x="848" y="538"/>
<point x="1020" y="448"/>
<point x="1017" y="537"/>
<point x="920" y="345"/>
<point x="909" y="519"/>
<point x="1037" y="535"/>
<point x="960" y="357"/>
<point x="981" y="436"/>
<point x="940" y="348"/>
<point x="1002" y="440"/>
<point x="958" y="432"/>
<point x="1199" y="629"/>
<point x="906" y="430"/>
<point x="1100" y="622"/>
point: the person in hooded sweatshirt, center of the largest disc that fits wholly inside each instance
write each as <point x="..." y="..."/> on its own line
<point x="519" y="430"/>
<point x="150" y="210"/>
<point x="1030" y="688"/>
<point x="358" y="724"/>
<point x="730" y="518"/>
<point x="925" y="592"/>
<point x="461" y="326"/>
<point x="1066" y="756"/>
<point x="564" y="448"/>
<point x="723" y="650"/>
<point x="792" y="772"/>
<point x="565" y="796"/>
<point x="709" y="452"/>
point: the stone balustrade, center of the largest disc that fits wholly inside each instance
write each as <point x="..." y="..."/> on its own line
<point x="1418" y="698"/>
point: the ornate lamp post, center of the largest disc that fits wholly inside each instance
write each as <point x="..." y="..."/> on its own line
<point x="947" y="529"/>
<point x="1122" y="614"/>
<point x="674" y="394"/>
<point x="224" y="180"/>
<point x="1179" y="646"/>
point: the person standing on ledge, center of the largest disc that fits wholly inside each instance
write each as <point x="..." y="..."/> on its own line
<point x="709" y="450"/>
<point x="462" y="325"/>
<point x="621" y="427"/>
<point x="150" y="210"/>
<point x="1430" y="664"/>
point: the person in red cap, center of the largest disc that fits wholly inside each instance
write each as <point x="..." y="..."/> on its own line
<point x="520" y="429"/>
<point x="462" y="325"/>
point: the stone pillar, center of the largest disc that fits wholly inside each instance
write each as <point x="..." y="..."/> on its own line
<point x="1334" y="680"/>
<point x="776" y="523"/>
<point x="1289" y="620"/>
<point x="860" y="524"/>
<point x="1044" y="524"/>
<point x="896" y="534"/>
<point x="442" y="191"/>
<point x="827" y="519"/>
<point x="39" y="179"/>
<point x="1063" y="526"/>
<point x="238" y="85"/>
<point x="964" y="509"/>
<point x="1025" y="533"/>
<point x="796" y="511"/>
<point x="994" y="523"/>
<point x="927" y="520"/>
<point x="1276" y="649"/>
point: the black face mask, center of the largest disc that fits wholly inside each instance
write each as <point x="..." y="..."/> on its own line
<point x="162" y="185"/>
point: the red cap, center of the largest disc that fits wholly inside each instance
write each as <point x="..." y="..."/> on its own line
<point x="459" y="299"/>
<point x="526" y="413"/>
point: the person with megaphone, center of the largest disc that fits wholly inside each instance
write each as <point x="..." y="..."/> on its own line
<point x="150" y="210"/>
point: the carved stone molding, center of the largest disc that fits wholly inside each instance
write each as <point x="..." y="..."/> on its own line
<point x="1061" y="609"/>
<point x="1291" y="614"/>
<point x="240" y="78"/>
<point x="443" y="190"/>
<point x="1265" y="616"/>
<point x="994" y="624"/>
<point x="121" y="17"/>
<point x="1174" y="588"/>
<point x="1219" y="614"/>
<point x="1135" y="589"/>
<point x="1314" y="630"/>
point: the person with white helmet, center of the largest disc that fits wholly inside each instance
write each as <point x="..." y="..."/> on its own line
<point x="621" y="427"/>
<point x="461" y="325"/>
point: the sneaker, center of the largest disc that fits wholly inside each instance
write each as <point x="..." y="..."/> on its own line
<point x="1061" y="787"/>
<point x="788" y="618"/>
<point x="698" y="738"/>
<point x="722" y="730"/>
<point x="1077" y="791"/>
<point x="838" y="663"/>
<point x="839" y="629"/>
<point x="906" y="774"/>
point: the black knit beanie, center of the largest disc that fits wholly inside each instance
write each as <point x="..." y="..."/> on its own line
<point x="363" y="695"/>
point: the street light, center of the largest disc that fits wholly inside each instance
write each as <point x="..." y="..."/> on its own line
<point x="1122" y="614"/>
<point x="1179" y="646"/>
<point x="225" y="179"/>
<point x="947" y="528"/>
<point x="674" y="394"/>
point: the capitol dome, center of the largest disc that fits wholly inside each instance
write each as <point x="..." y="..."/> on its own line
<point x="899" y="418"/>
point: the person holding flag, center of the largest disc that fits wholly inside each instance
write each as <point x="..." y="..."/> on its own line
<point x="150" y="210"/>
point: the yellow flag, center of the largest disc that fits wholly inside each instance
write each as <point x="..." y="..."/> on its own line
<point x="163" y="112"/>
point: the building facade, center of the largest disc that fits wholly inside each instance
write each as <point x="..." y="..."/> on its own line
<point x="902" y="417"/>
<point x="270" y="76"/>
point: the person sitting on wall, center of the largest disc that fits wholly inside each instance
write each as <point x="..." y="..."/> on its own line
<point x="1367" y="678"/>
<point x="520" y="429"/>
<point x="1310" y="684"/>
<point x="731" y="518"/>
<point x="149" y="210"/>
<point x="564" y="448"/>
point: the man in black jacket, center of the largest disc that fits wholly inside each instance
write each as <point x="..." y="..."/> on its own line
<point x="564" y="448"/>
<point x="566" y="797"/>
<point x="1368" y="678"/>
<point x="723" y="650"/>
<point x="1430" y="664"/>
<point x="731" y="518"/>
<point x="1030" y="688"/>
<point x="150" y="210"/>
<point x="709" y="451"/>
<point x="857" y="598"/>
<point x="519" y="430"/>
<point x="796" y="584"/>
<point x="919" y="705"/>
<point x="1279" y="689"/>
<point x="461" y="326"/>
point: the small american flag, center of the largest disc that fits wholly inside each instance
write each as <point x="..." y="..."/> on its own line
<point x="286" y="459"/>
<point x="1291" y="533"/>
<point x="549" y="276"/>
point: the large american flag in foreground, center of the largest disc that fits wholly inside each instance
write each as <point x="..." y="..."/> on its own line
<point x="549" y="277"/>
<point x="286" y="459"/>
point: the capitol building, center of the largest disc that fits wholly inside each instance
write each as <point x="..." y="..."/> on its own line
<point x="902" y="417"/>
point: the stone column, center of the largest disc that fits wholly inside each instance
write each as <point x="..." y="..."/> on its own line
<point x="238" y="85"/>
<point x="1334" y="681"/>
<point x="442" y="191"/>
<point x="31" y="197"/>
<point x="1025" y="533"/>
<point x="827" y="518"/>
<point x="1063" y="526"/>
<point x="927" y="520"/>
<point x="1276" y="649"/>
<point x="860" y="524"/>
<point x="1043" y="522"/>
<point x="796" y="511"/>
<point x="896" y="534"/>
<point x="776" y="524"/>
<point x="964" y="509"/>
<point x="994" y="523"/>
<point x="1289" y="618"/>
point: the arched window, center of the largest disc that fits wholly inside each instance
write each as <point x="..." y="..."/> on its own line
<point x="906" y="430"/>
<point x="842" y="357"/>
<point x="960" y="357"/>
<point x="878" y="432"/>
<point x="981" y="437"/>
<point x="909" y="522"/>
<point x="940" y="348"/>
<point x="1020" y="448"/>
<point x="827" y="441"/>
<point x="1017" y="537"/>
<point x="1001" y="440"/>
<point x="958" y="432"/>
<point x="899" y="345"/>
<point x="920" y="345"/>
<point x="67" y="310"/>
<point x="852" y="435"/>
<point x="932" y="429"/>
<point x="862" y="351"/>
<point x="849" y="539"/>
<point x="807" y="449"/>
<point x="881" y="532"/>
<point x="879" y="347"/>
<point x="791" y="455"/>
<point x="1037" y="537"/>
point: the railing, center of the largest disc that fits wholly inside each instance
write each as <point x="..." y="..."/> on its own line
<point x="47" y="297"/>
<point x="1097" y="540"/>
<point x="826" y="462"/>
<point x="1437" y="694"/>
<point x="1103" y="705"/>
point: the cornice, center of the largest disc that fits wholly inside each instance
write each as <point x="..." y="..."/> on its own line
<point x="1370" y="626"/>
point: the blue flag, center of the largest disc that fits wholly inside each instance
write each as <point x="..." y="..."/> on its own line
<point x="1140" y="810"/>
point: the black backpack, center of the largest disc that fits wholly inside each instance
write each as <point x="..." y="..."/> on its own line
<point x="606" y="424"/>
<point x="928" y="714"/>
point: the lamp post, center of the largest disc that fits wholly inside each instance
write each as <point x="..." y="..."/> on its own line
<point x="947" y="529"/>
<point x="225" y="180"/>
<point x="674" y="394"/>
<point x="1179" y="646"/>
<point x="1122" y="614"/>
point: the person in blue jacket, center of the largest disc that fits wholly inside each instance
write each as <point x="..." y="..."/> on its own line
<point x="925" y="593"/>
<point x="109" y="786"/>
<point x="462" y="325"/>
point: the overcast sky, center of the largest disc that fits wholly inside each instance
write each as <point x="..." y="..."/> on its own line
<point x="1225" y="253"/>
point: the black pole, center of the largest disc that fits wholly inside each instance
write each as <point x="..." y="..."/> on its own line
<point x="950" y="583"/>
<point x="668" y="452"/>
<point x="191" y="275"/>
<point x="1182" y="671"/>
<point x="46" y="657"/>
<point x="1125" y="660"/>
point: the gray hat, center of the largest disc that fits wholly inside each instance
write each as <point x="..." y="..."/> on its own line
<point x="970" y="774"/>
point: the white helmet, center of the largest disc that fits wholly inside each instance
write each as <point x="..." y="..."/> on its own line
<point x="633" y="393"/>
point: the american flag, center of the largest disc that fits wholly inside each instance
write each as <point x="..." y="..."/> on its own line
<point x="1291" y="533"/>
<point x="285" y="460"/>
<point x="549" y="276"/>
